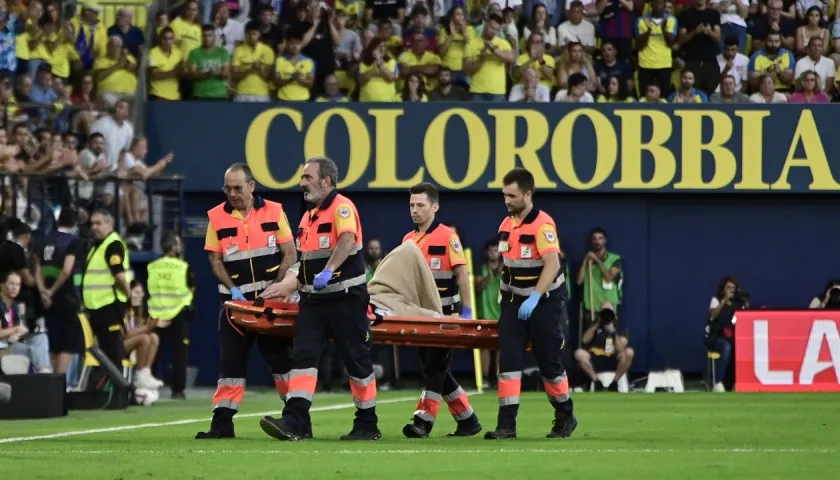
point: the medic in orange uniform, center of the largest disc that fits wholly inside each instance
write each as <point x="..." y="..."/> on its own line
<point x="249" y="242"/>
<point x="533" y="295"/>
<point x="333" y="304"/>
<point x="445" y="257"/>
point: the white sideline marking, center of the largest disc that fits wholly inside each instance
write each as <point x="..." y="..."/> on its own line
<point x="192" y="420"/>
<point x="449" y="451"/>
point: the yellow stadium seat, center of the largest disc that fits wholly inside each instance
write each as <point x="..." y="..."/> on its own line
<point x="90" y="361"/>
<point x="712" y="357"/>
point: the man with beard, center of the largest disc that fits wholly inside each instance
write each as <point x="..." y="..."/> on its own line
<point x="444" y="255"/>
<point x="447" y="91"/>
<point x="249" y="242"/>
<point x="533" y="296"/>
<point x="333" y="304"/>
<point x="774" y="61"/>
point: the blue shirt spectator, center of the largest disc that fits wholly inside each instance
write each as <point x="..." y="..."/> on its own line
<point x="8" y="54"/>
<point x="132" y="36"/>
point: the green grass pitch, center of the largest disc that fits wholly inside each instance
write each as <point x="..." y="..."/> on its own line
<point x="645" y="436"/>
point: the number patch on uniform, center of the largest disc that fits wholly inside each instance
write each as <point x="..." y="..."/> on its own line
<point x="272" y="241"/>
<point x="323" y="241"/>
<point x="434" y="263"/>
<point x="525" y="251"/>
<point x="456" y="245"/>
<point x="344" y="212"/>
<point x="549" y="235"/>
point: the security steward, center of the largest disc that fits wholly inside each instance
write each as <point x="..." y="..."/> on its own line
<point x="533" y="293"/>
<point x="105" y="285"/>
<point x="55" y="266"/>
<point x="171" y="287"/>
<point x="249" y="242"/>
<point x="444" y="255"/>
<point x="333" y="304"/>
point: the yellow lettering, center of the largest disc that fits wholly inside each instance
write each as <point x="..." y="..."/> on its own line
<point x="725" y="165"/>
<point x="752" y="150"/>
<point x="385" y="161"/>
<point x="561" y="149"/>
<point x="815" y="159"/>
<point x="256" y="147"/>
<point x="536" y="127"/>
<point x="315" y="143"/>
<point x="664" y="162"/>
<point x="434" y="149"/>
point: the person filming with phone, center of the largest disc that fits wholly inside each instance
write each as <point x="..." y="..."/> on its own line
<point x="720" y="331"/>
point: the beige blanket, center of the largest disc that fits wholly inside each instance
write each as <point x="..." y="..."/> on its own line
<point x="403" y="284"/>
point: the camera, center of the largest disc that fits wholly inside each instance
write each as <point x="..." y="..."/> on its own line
<point x="740" y="299"/>
<point x="606" y="317"/>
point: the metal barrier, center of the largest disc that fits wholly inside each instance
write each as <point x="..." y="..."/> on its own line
<point x="36" y="199"/>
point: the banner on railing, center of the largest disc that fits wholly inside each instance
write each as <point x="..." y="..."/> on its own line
<point x="602" y="148"/>
<point x="787" y="351"/>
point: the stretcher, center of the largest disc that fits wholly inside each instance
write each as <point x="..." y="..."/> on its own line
<point x="278" y="318"/>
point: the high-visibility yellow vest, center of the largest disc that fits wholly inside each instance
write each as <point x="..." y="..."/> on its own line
<point x="99" y="288"/>
<point x="167" y="286"/>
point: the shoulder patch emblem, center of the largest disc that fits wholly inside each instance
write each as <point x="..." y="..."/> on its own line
<point x="456" y="246"/>
<point x="115" y="260"/>
<point x="550" y="237"/>
<point x="344" y="212"/>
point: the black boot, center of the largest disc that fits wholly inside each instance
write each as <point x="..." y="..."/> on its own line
<point x="419" y="429"/>
<point x="363" y="432"/>
<point x="280" y="429"/>
<point x="220" y="427"/>
<point x="500" y="434"/>
<point x="467" y="428"/>
<point x="563" y="425"/>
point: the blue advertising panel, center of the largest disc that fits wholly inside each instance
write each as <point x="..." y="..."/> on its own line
<point x="598" y="148"/>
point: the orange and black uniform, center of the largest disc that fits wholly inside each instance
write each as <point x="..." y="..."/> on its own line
<point x="443" y="252"/>
<point x="338" y="311"/>
<point x="522" y="245"/>
<point x="251" y="255"/>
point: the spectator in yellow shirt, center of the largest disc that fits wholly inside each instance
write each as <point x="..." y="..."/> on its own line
<point x="187" y="29"/>
<point x="253" y="67"/>
<point x="652" y="94"/>
<point x="332" y="92"/>
<point x="414" y="89"/>
<point x="454" y="36"/>
<point x="294" y="74"/>
<point x="116" y="73"/>
<point x="535" y="57"/>
<point x="617" y="91"/>
<point x="165" y="67"/>
<point x="91" y="35"/>
<point x="56" y="48"/>
<point x="485" y="62"/>
<point x="655" y="36"/>
<point x="377" y="73"/>
<point x="419" y="61"/>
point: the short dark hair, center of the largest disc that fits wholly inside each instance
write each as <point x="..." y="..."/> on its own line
<point x="495" y="18"/>
<point x="424" y="187"/>
<point x="68" y="217"/>
<point x="252" y="26"/>
<point x="731" y="40"/>
<point x="4" y="276"/>
<point x="596" y="231"/>
<point x="244" y="168"/>
<point x="521" y="177"/>
<point x="208" y="28"/>
<point x="168" y="241"/>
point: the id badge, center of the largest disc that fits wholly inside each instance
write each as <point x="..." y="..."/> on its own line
<point x="233" y="248"/>
<point x="434" y="263"/>
<point x="272" y="240"/>
<point x="504" y="247"/>
<point x="525" y="251"/>
<point x="323" y="242"/>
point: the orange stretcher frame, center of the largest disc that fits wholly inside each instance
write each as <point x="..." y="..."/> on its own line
<point x="278" y="318"/>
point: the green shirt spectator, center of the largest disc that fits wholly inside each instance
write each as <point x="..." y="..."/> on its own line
<point x="208" y="66"/>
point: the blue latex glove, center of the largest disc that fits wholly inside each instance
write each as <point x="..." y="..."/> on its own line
<point x="321" y="279"/>
<point x="236" y="294"/>
<point x="466" y="312"/>
<point x="528" y="306"/>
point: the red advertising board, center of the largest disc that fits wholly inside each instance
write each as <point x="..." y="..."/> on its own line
<point x="787" y="351"/>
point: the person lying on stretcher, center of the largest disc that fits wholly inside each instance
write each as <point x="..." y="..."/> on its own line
<point x="402" y="285"/>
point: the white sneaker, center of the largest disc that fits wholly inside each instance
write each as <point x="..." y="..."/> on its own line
<point x="144" y="379"/>
<point x="718" y="388"/>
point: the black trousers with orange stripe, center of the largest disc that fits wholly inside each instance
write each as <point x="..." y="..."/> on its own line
<point x="345" y="320"/>
<point x="544" y="329"/>
<point x="441" y="385"/>
<point x="235" y="348"/>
